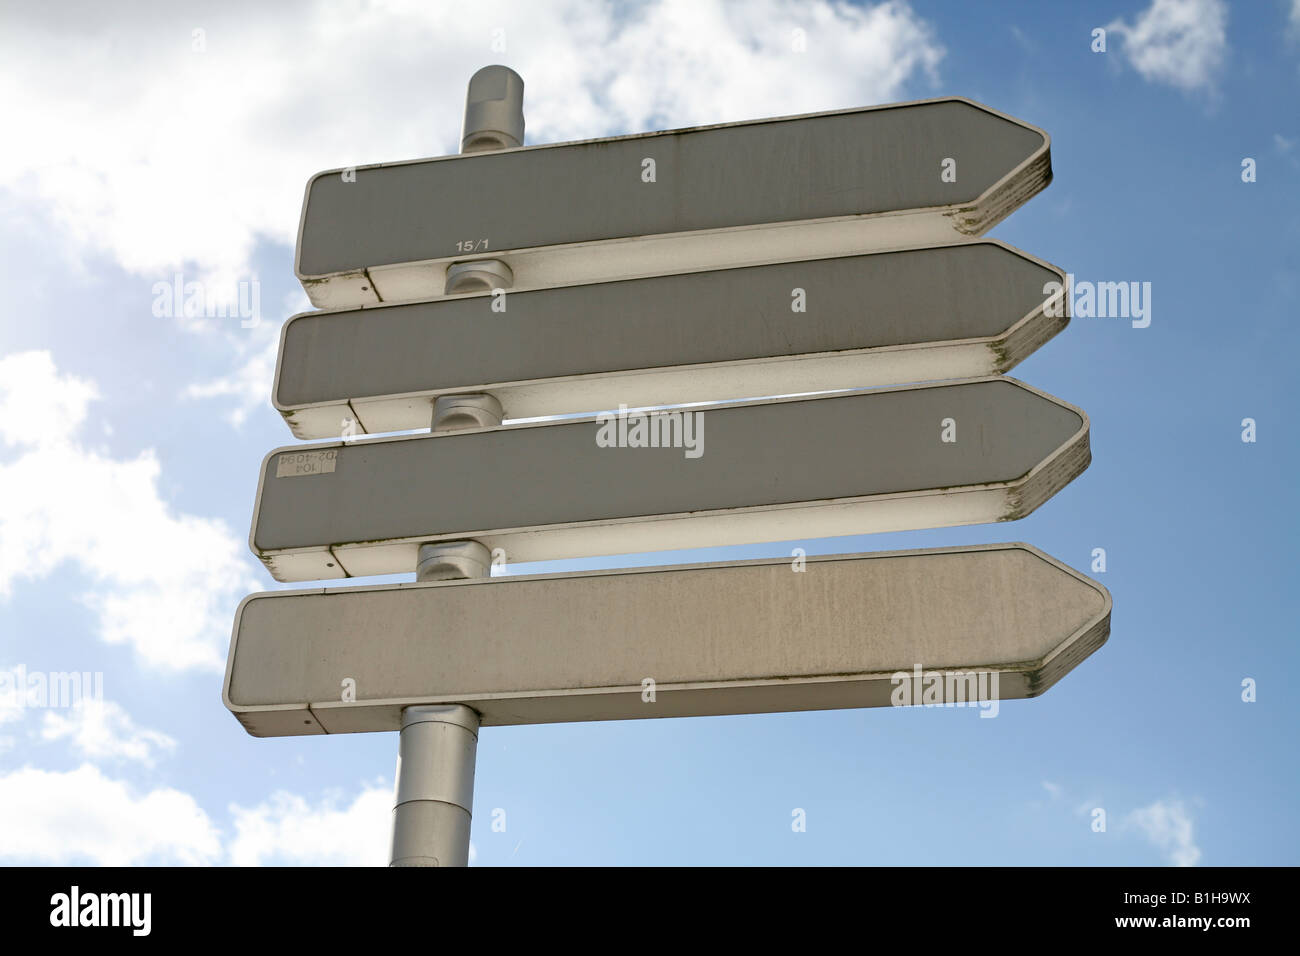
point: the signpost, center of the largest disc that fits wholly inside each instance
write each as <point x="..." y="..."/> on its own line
<point x="732" y="638"/>
<point x="956" y="311"/>
<point x="921" y="456"/>
<point x="768" y="258"/>
<point x="825" y="184"/>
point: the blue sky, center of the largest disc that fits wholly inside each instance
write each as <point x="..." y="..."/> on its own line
<point x="130" y="441"/>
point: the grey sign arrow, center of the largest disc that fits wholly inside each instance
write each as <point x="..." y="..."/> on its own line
<point x="969" y="626"/>
<point x="928" y="314"/>
<point x="780" y="469"/>
<point x="711" y="197"/>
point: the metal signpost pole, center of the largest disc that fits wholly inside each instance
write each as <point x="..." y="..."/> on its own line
<point x="434" y="792"/>
<point x="435" y="786"/>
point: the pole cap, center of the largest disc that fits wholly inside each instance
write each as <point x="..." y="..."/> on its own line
<point x="494" y="110"/>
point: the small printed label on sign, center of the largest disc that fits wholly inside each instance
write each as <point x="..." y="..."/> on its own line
<point x="293" y="464"/>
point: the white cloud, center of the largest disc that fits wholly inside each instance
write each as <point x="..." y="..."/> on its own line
<point x="163" y="583"/>
<point x="1168" y="826"/>
<point x="84" y="817"/>
<point x="81" y="816"/>
<point x="103" y="730"/>
<point x="249" y="385"/>
<point x="1023" y="39"/>
<point x="10" y="710"/>
<point x="12" y="706"/>
<point x="36" y="405"/>
<point x="684" y="62"/>
<point x="1182" y="43"/>
<point x="197" y="155"/>
<point x="288" y="830"/>
<point x="1053" y="788"/>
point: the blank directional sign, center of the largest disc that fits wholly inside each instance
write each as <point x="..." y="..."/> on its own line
<point x="922" y="456"/>
<point x="970" y="626"/>
<point x="738" y="194"/>
<point x="956" y="311"/>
